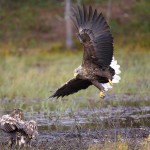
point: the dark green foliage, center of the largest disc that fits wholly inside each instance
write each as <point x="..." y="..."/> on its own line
<point x="20" y="3"/>
<point x="141" y="12"/>
<point x="22" y="25"/>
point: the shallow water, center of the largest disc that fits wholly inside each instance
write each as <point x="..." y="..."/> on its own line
<point x="123" y="116"/>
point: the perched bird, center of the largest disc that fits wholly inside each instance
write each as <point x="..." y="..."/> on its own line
<point x="20" y="132"/>
<point x="99" y="67"/>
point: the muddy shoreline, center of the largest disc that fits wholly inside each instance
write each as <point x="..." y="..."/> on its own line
<point x="79" y="129"/>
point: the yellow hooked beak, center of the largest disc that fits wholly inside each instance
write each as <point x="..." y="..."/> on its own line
<point x="75" y="74"/>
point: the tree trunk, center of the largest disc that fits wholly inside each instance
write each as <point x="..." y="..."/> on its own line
<point x="69" y="41"/>
<point x="109" y="5"/>
<point x="79" y="2"/>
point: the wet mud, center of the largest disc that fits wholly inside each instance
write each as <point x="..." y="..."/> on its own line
<point x="81" y="128"/>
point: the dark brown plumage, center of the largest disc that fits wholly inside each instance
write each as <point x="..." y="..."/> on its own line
<point x="98" y="66"/>
<point x="72" y="86"/>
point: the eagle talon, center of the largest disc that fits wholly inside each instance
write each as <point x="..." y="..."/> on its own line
<point x="110" y="82"/>
<point x="101" y="94"/>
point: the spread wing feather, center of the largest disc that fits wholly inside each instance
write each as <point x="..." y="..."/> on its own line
<point x="95" y="35"/>
<point x="70" y="87"/>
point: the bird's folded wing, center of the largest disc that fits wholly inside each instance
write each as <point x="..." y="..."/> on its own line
<point x="9" y="124"/>
<point x="95" y="35"/>
<point x="70" y="87"/>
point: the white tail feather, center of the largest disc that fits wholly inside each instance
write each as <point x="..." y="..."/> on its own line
<point x="116" y="77"/>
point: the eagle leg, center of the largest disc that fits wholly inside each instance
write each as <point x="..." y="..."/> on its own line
<point x="100" y="87"/>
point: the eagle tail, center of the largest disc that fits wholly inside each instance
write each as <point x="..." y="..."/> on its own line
<point x="116" y="77"/>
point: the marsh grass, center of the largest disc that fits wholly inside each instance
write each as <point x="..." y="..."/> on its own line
<point x="37" y="75"/>
<point x="119" y="145"/>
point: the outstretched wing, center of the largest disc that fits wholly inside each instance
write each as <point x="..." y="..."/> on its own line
<point x="70" y="87"/>
<point x="9" y="124"/>
<point x="94" y="34"/>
